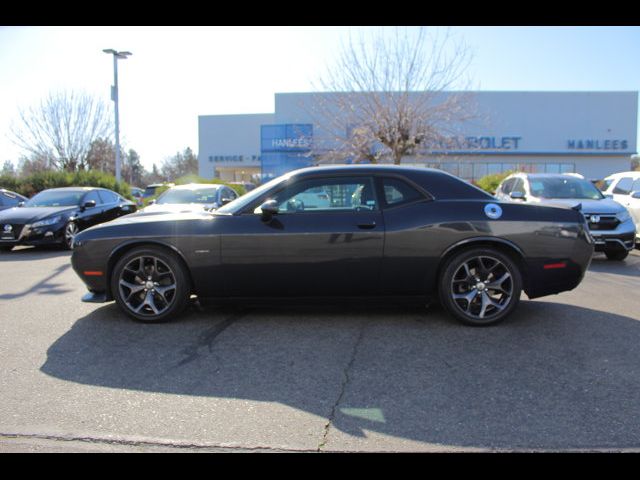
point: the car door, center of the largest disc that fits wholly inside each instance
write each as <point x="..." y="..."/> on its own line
<point x="333" y="250"/>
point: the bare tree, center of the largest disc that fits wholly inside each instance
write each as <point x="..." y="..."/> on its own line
<point x="62" y="128"/>
<point x="389" y="96"/>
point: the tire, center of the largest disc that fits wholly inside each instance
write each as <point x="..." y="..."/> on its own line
<point x="483" y="293"/>
<point x="70" y="231"/>
<point x="616" y="255"/>
<point x="160" y="299"/>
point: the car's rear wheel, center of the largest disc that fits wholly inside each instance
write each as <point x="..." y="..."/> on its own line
<point x="480" y="286"/>
<point x="150" y="284"/>
<point x="617" y="255"/>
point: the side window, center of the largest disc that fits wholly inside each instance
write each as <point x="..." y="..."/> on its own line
<point x="397" y="192"/>
<point x="108" y="197"/>
<point x="606" y="183"/>
<point x="518" y="186"/>
<point x="93" y="195"/>
<point x="636" y="186"/>
<point x="623" y="187"/>
<point x="507" y="186"/>
<point x="328" y="195"/>
<point x="228" y="193"/>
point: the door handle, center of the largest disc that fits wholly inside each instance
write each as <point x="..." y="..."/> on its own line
<point x="367" y="226"/>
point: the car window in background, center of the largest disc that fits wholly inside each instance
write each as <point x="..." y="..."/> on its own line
<point x="397" y="192"/>
<point x="518" y="186"/>
<point x="93" y="195"/>
<point x="108" y="197"/>
<point x="563" y="187"/>
<point x="55" y="199"/>
<point x="605" y="184"/>
<point x="201" y="195"/>
<point x="636" y="186"/>
<point x="507" y="186"/>
<point x="245" y="200"/>
<point x="623" y="187"/>
<point x="9" y="200"/>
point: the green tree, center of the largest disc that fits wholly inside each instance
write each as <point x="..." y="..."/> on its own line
<point x="132" y="170"/>
<point x="8" y="169"/>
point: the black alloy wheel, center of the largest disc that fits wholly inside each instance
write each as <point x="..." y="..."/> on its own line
<point x="150" y="285"/>
<point x="480" y="286"/>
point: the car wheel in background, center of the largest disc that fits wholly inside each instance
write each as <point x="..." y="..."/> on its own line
<point x="616" y="255"/>
<point x="150" y="285"/>
<point x="70" y="231"/>
<point x="480" y="286"/>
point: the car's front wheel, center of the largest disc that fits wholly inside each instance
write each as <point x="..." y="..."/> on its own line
<point x="150" y="284"/>
<point x="480" y="286"/>
<point x="616" y="255"/>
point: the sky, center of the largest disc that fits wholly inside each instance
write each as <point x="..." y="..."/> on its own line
<point x="178" y="73"/>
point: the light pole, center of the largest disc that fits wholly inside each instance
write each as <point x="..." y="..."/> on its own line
<point x="114" y="97"/>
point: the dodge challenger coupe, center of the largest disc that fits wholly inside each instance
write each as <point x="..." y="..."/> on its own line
<point x="387" y="231"/>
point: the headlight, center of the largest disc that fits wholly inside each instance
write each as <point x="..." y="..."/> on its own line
<point x="623" y="216"/>
<point x="47" y="222"/>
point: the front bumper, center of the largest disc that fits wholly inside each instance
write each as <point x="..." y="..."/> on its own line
<point x="28" y="235"/>
<point x="623" y="237"/>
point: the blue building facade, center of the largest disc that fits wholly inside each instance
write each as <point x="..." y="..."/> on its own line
<point x="285" y="147"/>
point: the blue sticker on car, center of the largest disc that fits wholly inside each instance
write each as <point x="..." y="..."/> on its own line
<point x="493" y="211"/>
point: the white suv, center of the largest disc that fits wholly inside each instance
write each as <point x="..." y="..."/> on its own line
<point x="624" y="188"/>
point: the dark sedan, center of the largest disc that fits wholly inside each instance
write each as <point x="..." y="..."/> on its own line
<point x="387" y="231"/>
<point x="9" y="199"/>
<point x="56" y="215"/>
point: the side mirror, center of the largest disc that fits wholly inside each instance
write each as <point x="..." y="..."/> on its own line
<point x="89" y="204"/>
<point x="636" y="194"/>
<point x="517" y="196"/>
<point x="225" y="200"/>
<point x="152" y="202"/>
<point x="269" y="209"/>
<point x="608" y="195"/>
<point x="21" y="204"/>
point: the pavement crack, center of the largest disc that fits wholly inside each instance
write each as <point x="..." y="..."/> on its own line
<point x="345" y="382"/>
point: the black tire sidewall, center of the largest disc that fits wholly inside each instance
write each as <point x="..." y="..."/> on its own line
<point x="64" y="236"/>
<point x="616" y="255"/>
<point x="183" y="288"/>
<point x="454" y="263"/>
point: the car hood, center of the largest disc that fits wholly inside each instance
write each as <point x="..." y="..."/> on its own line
<point x="24" y="215"/>
<point x="176" y="208"/>
<point x="604" y="206"/>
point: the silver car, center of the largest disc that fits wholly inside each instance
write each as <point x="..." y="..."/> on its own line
<point x="610" y="224"/>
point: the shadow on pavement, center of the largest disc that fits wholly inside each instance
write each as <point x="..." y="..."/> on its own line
<point x="33" y="253"/>
<point x="552" y="376"/>
<point x="629" y="267"/>
<point x="43" y="287"/>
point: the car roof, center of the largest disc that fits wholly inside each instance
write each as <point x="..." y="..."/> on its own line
<point x="72" y="189"/>
<point x="631" y="173"/>
<point x="193" y="186"/>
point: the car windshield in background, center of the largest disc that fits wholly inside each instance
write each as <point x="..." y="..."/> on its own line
<point x="55" y="199"/>
<point x="555" y="187"/>
<point x="201" y="195"/>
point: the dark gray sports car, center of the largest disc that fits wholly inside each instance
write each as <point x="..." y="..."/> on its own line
<point x="385" y="231"/>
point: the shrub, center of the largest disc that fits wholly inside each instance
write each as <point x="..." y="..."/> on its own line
<point x="490" y="183"/>
<point x="43" y="180"/>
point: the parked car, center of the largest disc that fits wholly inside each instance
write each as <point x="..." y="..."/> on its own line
<point x="150" y="190"/>
<point x="609" y="222"/>
<point x="248" y="186"/>
<point x="137" y="193"/>
<point x="55" y="216"/>
<point x="429" y="234"/>
<point x="624" y="188"/>
<point x="192" y="197"/>
<point x="9" y="199"/>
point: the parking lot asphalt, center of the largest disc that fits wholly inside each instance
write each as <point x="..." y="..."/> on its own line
<point x="563" y="373"/>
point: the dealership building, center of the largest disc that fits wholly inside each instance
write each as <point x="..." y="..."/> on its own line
<point x="591" y="133"/>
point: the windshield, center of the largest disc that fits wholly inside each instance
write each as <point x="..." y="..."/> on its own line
<point x="248" y="198"/>
<point x="52" y="198"/>
<point x="199" y="195"/>
<point x="564" y="187"/>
